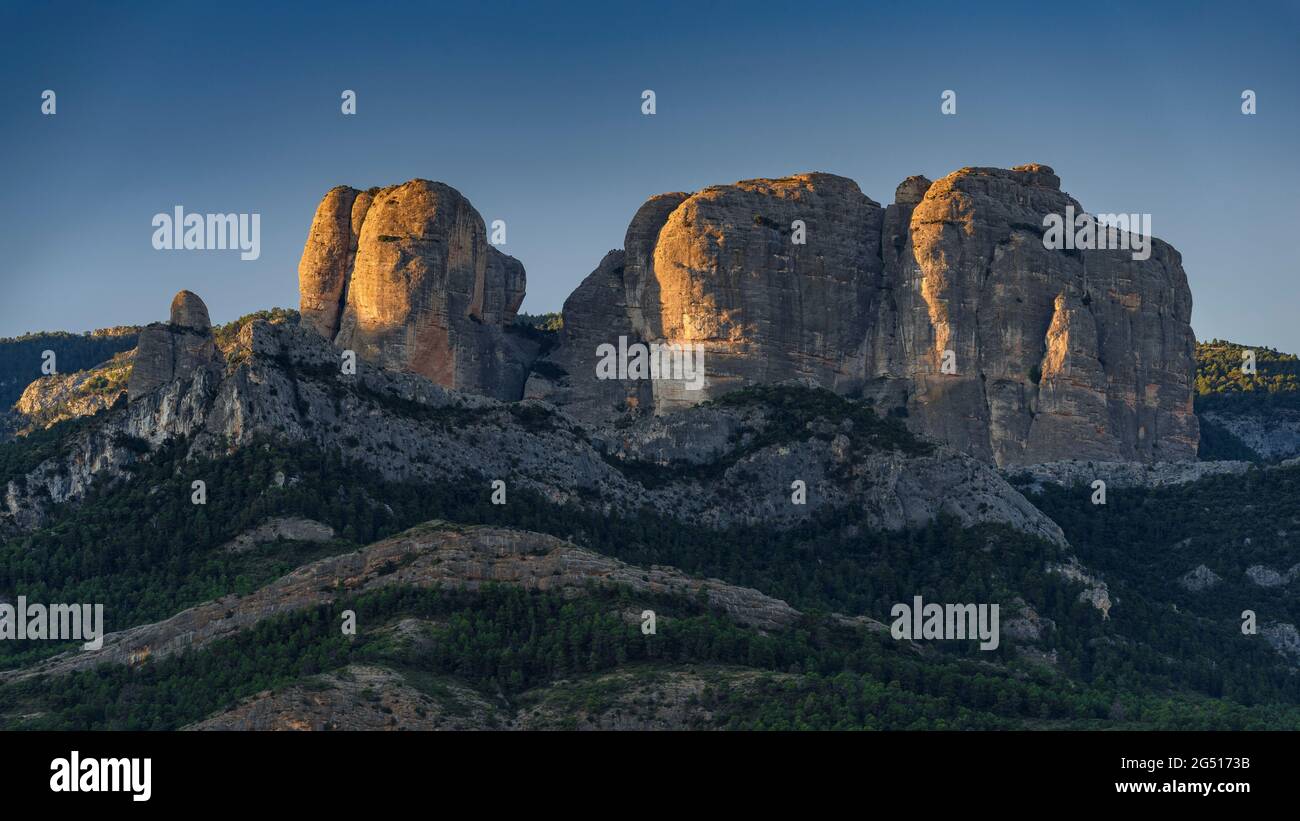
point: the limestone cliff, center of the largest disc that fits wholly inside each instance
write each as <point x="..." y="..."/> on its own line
<point x="595" y="314"/>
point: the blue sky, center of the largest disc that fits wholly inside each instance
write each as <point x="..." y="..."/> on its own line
<point x="533" y="112"/>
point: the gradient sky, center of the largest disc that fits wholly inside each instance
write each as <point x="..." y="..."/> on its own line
<point x="533" y="112"/>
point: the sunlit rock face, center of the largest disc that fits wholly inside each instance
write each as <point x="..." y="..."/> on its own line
<point x="726" y="273"/>
<point x="771" y="280"/>
<point x="1056" y="353"/>
<point x="1051" y="353"/>
<point x="176" y="349"/>
<point x="405" y="277"/>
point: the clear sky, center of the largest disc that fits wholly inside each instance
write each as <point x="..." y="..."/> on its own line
<point x="533" y="111"/>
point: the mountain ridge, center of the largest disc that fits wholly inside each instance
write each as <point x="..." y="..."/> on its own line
<point x="947" y="306"/>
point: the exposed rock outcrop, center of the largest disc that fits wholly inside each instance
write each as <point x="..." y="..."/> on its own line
<point x="1268" y="577"/>
<point x="1199" y="578"/>
<point x="708" y="463"/>
<point x="405" y="277"/>
<point x="1070" y="472"/>
<point x="1273" y="434"/>
<point x="52" y="399"/>
<point x="358" y="697"/>
<point x="1024" y="623"/>
<point x="727" y="271"/>
<point x="595" y="314"/>
<point x="1095" y="592"/>
<point x="947" y="305"/>
<point x="175" y="350"/>
<point x="774" y="279"/>
<point x="1284" y="638"/>
<point x="290" y="529"/>
<point x="1058" y="354"/>
<point x="371" y="697"/>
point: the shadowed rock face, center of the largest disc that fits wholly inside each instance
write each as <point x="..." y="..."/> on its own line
<point x="594" y="314"/>
<point x="1056" y="353"/>
<point x="405" y="277"/>
<point x="175" y="350"/>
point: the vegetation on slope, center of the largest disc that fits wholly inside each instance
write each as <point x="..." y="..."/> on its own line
<point x="227" y="335"/>
<point x="1221" y="384"/>
<point x="21" y="357"/>
<point x="504" y="641"/>
<point x="145" y="552"/>
<point x="792" y="413"/>
<point x="1165" y="658"/>
<point x="1143" y="541"/>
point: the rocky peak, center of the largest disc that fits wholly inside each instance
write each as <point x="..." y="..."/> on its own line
<point x="719" y="269"/>
<point x="188" y="311"/>
<point x="912" y="190"/>
<point x="176" y="349"/>
<point x="52" y="399"/>
<point x="404" y="276"/>
<point x="1040" y="175"/>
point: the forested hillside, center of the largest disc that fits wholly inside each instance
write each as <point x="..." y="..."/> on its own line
<point x="1162" y="659"/>
<point x="1222" y="383"/>
<point x="1243" y="415"/>
<point x="21" y="357"/>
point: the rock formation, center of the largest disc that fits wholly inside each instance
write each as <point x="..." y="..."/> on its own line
<point x="720" y="269"/>
<point x="284" y="383"/>
<point x="52" y="399"/>
<point x="1272" y="432"/>
<point x="1050" y="354"/>
<point x="176" y="349"/>
<point x="595" y="314"/>
<point x="405" y="277"/>
<point x="1084" y="354"/>
<point x="946" y="306"/>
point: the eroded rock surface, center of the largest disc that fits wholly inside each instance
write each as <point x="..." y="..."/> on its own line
<point x="708" y="464"/>
<point x="405" y="277"/>
<point x="289" y="529"/>
<point x="1199" y="578"/>
<point x="1273" y="435"/>
<point x="1070" y="472"/>
<point x="53" y="399"/>
<point x="1058" y="354"/>
<point x="358" y="697"/>
<point x="176" y="349"/>
<point x="1049" y="353"/>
